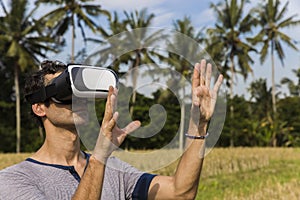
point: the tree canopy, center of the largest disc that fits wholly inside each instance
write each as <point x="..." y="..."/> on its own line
<point x="26" y="38"/>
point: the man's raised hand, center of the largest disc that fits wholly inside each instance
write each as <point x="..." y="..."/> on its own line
<point x="203" y="97"/>
<point x="110" y="135"/>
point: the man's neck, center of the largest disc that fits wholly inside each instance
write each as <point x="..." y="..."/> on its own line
<point x="61" y="146"/>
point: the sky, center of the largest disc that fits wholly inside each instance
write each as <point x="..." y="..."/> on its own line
<point x="166" y="12"/>
<point x="203" y="16"/>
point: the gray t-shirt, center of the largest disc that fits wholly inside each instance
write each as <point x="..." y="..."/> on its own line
<point x="31" y="179"/>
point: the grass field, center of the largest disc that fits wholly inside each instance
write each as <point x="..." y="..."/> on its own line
<point x="251" y="173"/>
<point x="233" y="173"/>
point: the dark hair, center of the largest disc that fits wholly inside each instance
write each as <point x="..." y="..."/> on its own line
<point x="36" y="81"/>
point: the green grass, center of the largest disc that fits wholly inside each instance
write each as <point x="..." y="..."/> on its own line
<point x="280" y="179"/>
<point x="229" y="173"/>
<point x="243" y="184"/>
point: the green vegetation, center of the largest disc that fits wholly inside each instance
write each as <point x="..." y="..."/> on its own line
<point x="253" y="183"/>
<point x="228" y="173"/>
<point x="242" y="173"/>
<point x="268" y="118"/>
<point x="270" y="175"/>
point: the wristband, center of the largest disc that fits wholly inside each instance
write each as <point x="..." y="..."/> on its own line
<point x="201" y="137"/>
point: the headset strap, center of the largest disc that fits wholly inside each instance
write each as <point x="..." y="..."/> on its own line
<point x="42" y="94"/>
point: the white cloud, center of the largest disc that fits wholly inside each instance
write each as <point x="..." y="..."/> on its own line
<point x="163" y="17"/>
<point x="129" y="4"/>
<point x="206" y="17"/>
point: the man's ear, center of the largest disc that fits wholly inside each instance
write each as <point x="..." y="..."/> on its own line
<point x="38" y="109"/>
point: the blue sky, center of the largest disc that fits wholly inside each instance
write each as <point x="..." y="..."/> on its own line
<point x="167" y="11"/>
<point x="202" y="16"/>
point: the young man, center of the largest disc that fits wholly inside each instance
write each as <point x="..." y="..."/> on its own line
<point x="60" y="170"/>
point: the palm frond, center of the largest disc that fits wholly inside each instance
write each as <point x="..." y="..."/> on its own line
<point x="283" y="11"/>
<point x="279" y="51"/>
<point x="264" y="51"/>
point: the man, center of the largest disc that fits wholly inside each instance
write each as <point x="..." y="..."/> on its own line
<point x="60" y="170"/>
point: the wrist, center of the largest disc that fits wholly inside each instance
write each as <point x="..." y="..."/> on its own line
<point x="199" y="130"/>
<point x="201" y="137"/>
<point x="99" y="158"/>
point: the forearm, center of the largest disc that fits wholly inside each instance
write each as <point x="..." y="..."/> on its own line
<point x="184" y="184"/>
<point x="188" y="172"/>
<point x="90" y="186"/>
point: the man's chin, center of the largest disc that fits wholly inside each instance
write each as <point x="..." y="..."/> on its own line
<point x="81" y="118"/>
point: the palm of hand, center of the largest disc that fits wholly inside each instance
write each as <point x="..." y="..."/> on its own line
<point x="204" y="98"/>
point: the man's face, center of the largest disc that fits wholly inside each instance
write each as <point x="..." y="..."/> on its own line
<point x="66" y="115"/>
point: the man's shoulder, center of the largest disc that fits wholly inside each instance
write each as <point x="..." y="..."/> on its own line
<point x="19" y="168"/>
<point x="115" y="163"/>
<point x="14" y="167"/>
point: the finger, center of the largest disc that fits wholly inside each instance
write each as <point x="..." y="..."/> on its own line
<point x="208" y="75"/>
<point x="113" y="99"/>
<point x="115" y="116"/>
<point x="218" y="84"/>
<point x="108" y="107"/>
<point x="202" y="71"/>
<point x="132" y="127"/>
<point x="196" y="77"/>
<point x="116" y="91"/>
<point x="112" y="122"/>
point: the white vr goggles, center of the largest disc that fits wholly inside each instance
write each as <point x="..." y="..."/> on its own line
<point x="82" y="81"/>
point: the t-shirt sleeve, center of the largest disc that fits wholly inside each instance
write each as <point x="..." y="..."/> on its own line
<point x="142" y="186"/>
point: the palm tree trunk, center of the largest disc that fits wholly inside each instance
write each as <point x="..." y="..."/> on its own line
<point x="273" y="96"/>
<point x="231" y="101"/>
<point x="73" y="40"/>
<point x="18" y="112"/>
<point x="134" y="80"/>
<point x="182" y="117"/>
<point x="273" y="81"/>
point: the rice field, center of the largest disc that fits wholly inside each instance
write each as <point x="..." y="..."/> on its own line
<point x="228" y="173"/>
<point x="250" y="174"/>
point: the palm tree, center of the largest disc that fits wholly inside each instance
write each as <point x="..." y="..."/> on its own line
<point x="261" y="97"/>
<point x="112" y="43"/>
<point x="24" y="42"/>
<point x="183" y="62"/>
<point x="3" y="7"/>
<point x="293" y="87"/>
<point x="141" y="39"/>
<point x="70" y="12"/>
<point x="129" y="42"/>
<point x="262" y="109"/>
<point x="226" y="40"/>
<point x="272" y="20"/>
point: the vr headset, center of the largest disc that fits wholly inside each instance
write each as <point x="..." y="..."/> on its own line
<point x="82" y="81"/>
